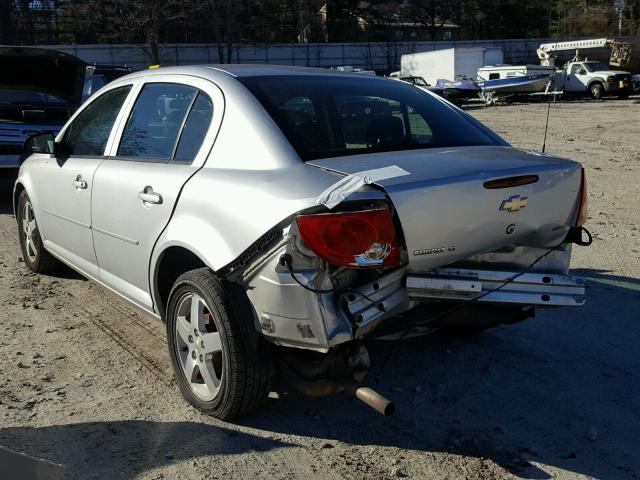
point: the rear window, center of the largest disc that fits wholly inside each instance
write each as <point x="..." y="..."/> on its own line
<point x="325" y="117"/>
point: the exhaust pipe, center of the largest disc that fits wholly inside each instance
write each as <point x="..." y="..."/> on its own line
<point x="376" y="401"/>
<point x="326" y="386"/>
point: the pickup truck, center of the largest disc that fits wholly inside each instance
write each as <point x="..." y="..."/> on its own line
<point x="594" y="78"/>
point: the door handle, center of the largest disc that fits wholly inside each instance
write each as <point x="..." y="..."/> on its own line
<point x="79" y="183"/>
<point x="149" y="196"/>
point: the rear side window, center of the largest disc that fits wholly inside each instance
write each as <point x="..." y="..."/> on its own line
<point x="325" y="116"/>
<point x="90" y="130"/>
<point x="195" y="129"/>
<point x="156" y="121"/>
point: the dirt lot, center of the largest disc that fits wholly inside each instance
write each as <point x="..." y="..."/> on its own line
<point x="86" y="382"/>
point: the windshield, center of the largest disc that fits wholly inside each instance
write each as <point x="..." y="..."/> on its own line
<point x="324" y="116"/>
<point x="18" y="96"/>
<point x="595" y="66"/>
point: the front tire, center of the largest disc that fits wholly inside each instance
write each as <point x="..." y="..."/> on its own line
<point x="597" y="91"/>
<point x="219" y="370"/>
<point x="35" y="257"/>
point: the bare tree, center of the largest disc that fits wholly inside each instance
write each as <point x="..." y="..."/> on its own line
<point x="151" y="17"/>
<point x="432" y="14"/>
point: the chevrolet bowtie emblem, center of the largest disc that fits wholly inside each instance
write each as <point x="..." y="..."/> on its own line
<point x="514" y="203"/>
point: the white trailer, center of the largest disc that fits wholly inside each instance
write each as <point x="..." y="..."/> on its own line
<point x="449" y="64"/>
<point x="499" y="72"/>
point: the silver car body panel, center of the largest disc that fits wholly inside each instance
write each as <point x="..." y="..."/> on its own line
<point x="124" y="243"/>
<point x="247" y="181"/>
<point x="446" y="212"/>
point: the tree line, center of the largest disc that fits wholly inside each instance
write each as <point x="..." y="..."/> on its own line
<point x="230" y="22"/>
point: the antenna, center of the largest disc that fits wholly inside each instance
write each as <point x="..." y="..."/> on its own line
<point x="546" y="126"/>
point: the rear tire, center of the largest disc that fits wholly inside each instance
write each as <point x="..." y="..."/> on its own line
<point x="35" y="257"/>
<point x="597" y="91"/>
<point x="219" y="366"/>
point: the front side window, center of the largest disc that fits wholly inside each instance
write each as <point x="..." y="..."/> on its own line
<point x="156" y="120"/>
<point x="576" y="68"/>
<point x="325" y="117"/>
<point x="90" y="130"/>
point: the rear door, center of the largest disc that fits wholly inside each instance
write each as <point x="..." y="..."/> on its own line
<point x="65" y="184"/>
<point x="164" y="141"/>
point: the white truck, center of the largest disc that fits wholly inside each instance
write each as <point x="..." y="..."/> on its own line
<point x="594" y="78"/>
<point x="588" y="76"/>
<point x="448" y="64"/>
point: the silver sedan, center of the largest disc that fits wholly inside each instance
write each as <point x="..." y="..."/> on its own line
<point x="280" y="216"/>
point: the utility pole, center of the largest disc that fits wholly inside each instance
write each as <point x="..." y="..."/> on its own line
<point x="619" y="10"/>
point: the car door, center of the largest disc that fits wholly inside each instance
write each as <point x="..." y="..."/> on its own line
<point x="64" y="182"/>
<point x="165" y="140"/>
<point x="577" y="78"/>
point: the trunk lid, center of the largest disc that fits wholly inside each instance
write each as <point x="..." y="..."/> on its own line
<point x="447" y="214"/>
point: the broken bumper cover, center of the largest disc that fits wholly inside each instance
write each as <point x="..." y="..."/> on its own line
<point x="498" y="287"/>
<point x="292" y="316"/>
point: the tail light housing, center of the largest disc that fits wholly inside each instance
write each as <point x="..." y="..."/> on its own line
<point x="582" y="209"/>
<point x="362" y="239"/>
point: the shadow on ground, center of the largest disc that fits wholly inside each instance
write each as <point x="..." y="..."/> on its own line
<point x="125" y="449"/>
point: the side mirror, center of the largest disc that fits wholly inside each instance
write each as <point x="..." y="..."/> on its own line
<point x="42" y="142"/>
<point x="583" y="71"/>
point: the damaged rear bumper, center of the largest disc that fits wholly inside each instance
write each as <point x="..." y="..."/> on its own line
<point x="290" y="315"/>
<point x="498" y="287"/>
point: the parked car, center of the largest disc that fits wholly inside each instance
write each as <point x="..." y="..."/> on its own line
<point x="97" y="76"/>
<point x="39" y="90"/>
<point x="281" y="216"/>
<point x="422" y="84"/>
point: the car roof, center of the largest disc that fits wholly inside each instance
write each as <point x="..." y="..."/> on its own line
<point x="244" y="70"/>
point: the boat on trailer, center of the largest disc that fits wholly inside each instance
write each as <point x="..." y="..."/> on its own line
<point x="522" y="84"/>
<point x="458" y="90"/>
<point x="491" y="90"/>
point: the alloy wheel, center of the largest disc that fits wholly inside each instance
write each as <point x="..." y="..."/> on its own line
<point x="29" y="231"/>
<point x="199" y="346"/>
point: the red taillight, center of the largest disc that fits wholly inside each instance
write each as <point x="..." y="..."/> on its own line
<point x="358" y="239"/>
<point x="582" y="209"/>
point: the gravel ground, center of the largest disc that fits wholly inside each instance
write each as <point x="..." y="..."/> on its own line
<point x="86" y="382"/>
